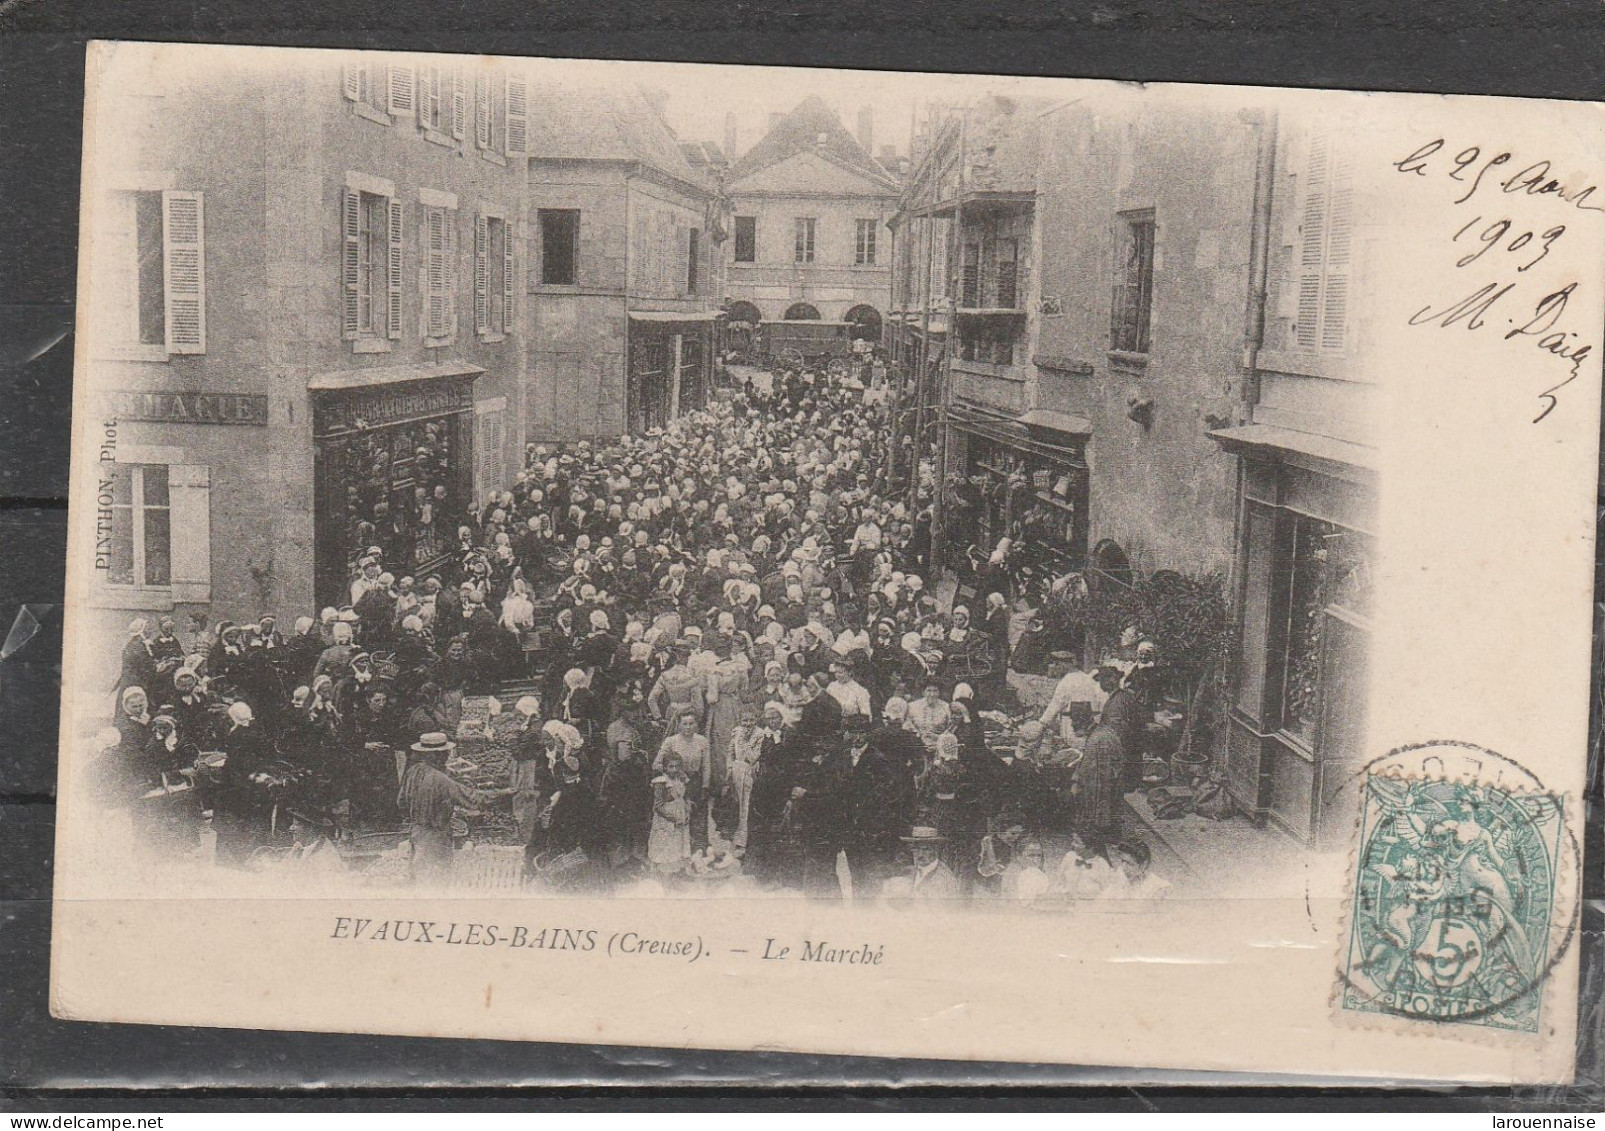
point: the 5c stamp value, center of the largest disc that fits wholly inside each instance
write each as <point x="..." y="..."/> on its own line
<point x="1458" y="909"/>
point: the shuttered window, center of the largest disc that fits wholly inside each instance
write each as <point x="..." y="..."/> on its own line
<point x="440" y="273"/>
<point x="490" y="446"/>
<point x="516" y="108"/>
<point x="494" y="280"/>
<point x="459" y="104"/>
<point x="803" y="249"/>
<point x="1325" y="244"/>
<point x="403" y="89"/>
<point x="151" y="272"/>
<point x="371" y="265"/>
<point x="864" y="243"/>
<point x="1131" y="309"/>
<point x="434" y="93"/>
<point x="484" y="111"/>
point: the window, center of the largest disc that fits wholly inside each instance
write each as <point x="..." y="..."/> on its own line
<point x="1006" y="265"/>
<point x="805" y="239"/>
<point x="970" y="285"/>
<point x="367" y="86"/>
<point x="493" y="275"/>
<point x="141" y="526"/>
<point x="746" y="239"/>
<point x="501" y="114"/>
<point x="693" y="238"/>
<point x="1325" y="234"/>
<point x="560" y="244"/>
<point x="440" y="271"/>
<point x="153" y="531"/>
<point x="864" y="243"/>
<point x="151" y="273"/>
<point x="1134" y="284"/>
<point x="371" y="264"/>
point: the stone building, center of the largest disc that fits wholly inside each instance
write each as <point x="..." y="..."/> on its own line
<point x="303" y="323"/>
<point x="626" y="267"/>
<point x="1182" y="349"/>
<point x="809" y="237"/>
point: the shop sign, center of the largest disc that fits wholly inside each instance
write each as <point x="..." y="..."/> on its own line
<point x="190" y="408"/>
<point x="356" y="409"/>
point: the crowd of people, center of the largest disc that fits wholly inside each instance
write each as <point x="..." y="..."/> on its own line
<point x="725" y="653"/>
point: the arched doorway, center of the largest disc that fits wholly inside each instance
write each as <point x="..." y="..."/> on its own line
<point x="744" y="312"/>
<point x="866" y="322"/>
<point x="802" y="312"/>
<point x="1110" y="560"/>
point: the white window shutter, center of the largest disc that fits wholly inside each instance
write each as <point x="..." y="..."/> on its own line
<point x="351" y="264"/>
<point x="452" y="252"/>
<point x="481" y="274"/>
<point x="403" y="89"/>
<point x="482" y="111"/>
<point x="507" y="277"/>
<point x="516" y="108"/>
<point x="189" y="493"/>
<point x="435" y="270"/>
<point x="393" y="327"/>
<point x="184" y="271"/>
<point x="1339" y="245"/>
<point x="351" y="78"/>
<point x="1312" y="240"/>
<point x="459" y="104"/>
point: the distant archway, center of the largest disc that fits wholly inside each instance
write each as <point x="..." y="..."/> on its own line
<point x="866" y="322"/>
<point x="744" y="312"/>
<point x="802" y="312"/>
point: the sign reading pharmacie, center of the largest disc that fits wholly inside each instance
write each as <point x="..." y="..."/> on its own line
<point x="338" y="411"/>
<point x="189" y="408"/>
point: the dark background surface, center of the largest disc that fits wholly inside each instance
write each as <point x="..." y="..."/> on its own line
<point x="1536" y="48"/>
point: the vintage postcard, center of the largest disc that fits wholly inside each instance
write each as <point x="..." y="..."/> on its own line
<point x="894" y="564"/>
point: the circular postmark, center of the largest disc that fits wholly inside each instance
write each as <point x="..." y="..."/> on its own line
<point x="1461" y="903"/>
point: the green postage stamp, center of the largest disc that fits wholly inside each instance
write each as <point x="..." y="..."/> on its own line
<point x="1454" y="907"/>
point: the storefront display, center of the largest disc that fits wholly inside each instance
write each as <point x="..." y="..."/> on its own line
<point x="393" y="470"/>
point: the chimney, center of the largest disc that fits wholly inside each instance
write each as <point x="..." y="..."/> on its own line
<point x="774" y="118"/>
<point x="866" y="128"/>
<point x="730" y="136"/>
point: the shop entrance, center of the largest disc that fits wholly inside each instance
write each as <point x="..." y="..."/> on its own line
<point x="393" y="469"/>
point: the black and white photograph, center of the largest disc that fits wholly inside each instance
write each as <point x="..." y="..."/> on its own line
<point x="919" y="495"/>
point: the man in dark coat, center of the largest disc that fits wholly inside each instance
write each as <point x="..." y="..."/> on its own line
<point x="870" y="797"/>
<point x="139" y="661"/>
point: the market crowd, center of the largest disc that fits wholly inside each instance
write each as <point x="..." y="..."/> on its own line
<point x="725" y="654"/>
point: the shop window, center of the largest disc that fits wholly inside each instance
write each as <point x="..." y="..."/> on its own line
<point x="560" y="246"/>
<point x="1326" y="231"/>
<point x="864" y="243"/>
<point x="1134" y="284"/>
<point x="153" y="534"/>
<point x="804" y="244"/>
<point x="151" y="273"/>
<point x="1306" y="605"/>
<point x="746" y="239"/>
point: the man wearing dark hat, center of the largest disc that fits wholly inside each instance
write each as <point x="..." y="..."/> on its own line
<point x="870" y="801"/>
<point x="428" y="799"/>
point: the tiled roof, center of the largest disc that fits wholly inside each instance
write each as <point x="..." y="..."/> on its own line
<point x="800" y="132"/>
<point x="606" y="125"/>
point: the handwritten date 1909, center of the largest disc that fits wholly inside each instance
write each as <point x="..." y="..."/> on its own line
<point x="1531" y="180"/>
<point x="1541" y="325"/>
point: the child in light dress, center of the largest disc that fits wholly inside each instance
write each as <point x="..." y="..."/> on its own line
<point x="669" y="844"/>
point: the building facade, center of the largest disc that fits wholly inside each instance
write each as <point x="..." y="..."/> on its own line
<point x="1172" y="387"/>
<point x="305" y="318"/>
<point x="809" y="238"/>
<point x="626" y="268"/>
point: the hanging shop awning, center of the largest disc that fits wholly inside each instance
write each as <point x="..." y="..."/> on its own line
<point x="1015" y="433"/>
<point x="1050" y="420"/>
<point x="373" y="376"/>
<point x="1271" y="442"/>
